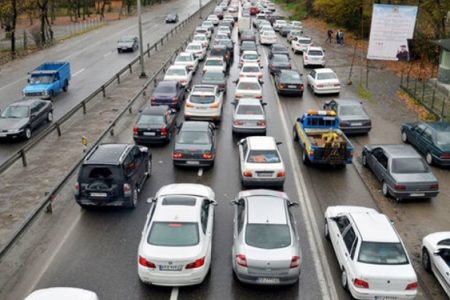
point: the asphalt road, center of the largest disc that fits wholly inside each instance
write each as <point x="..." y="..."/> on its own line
<point x="93" y="58"/>
<point x="97" y="249"/>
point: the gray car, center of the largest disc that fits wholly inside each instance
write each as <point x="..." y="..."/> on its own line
<point x="266" y="246"/>
<point x="401" y="170"/>
<point x="127" y="43"/>
<point x="352" y="115"/>
<point x="249" y="117"/>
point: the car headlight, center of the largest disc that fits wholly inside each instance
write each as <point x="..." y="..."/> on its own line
<point x="15" y="130"/>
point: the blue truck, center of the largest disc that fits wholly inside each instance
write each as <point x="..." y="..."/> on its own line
<point x="47" y="80"/>
<point x="321" y="140"/>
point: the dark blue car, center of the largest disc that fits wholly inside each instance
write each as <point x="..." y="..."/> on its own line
<point x="168" y="92"/>
<point x="431" y="139"/>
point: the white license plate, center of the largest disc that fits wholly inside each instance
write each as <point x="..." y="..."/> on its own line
<point x="150" y="133"/>
<point x="192" y="162"/>
<point x="356" y="124"/>
<point x="264" y="174"/>
<point x="385" y="298"/>
<point x="170" y="267"/>
<point x="2" y="134"/>
<point x="99" y="194"/>
<point x="417" y="195"/>
<point x="292" y="86"/>
<point x="268" y="280"/>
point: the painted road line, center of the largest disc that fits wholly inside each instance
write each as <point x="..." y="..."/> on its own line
<point x="200" y="172"/>
<point x="78" y="72"/>
<point x="107" y="54"/>
<point x="323" y="271"/>
<point x="174" y="293"/>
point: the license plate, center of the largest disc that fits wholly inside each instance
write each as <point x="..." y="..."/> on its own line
<point x="385" y="298"/>
<point x="292" y="86"/>
<point x="150" y="133"/>
<point x="268" y="280"/>
<point x="264" y="174"/>
<point x="192" y="162"/>
<point x="170" y="267"/>
<point x="2" y="134"/>
<point x="417" y="195"/>
<point x="356" y="124"/>
<point x="99" y="194"/>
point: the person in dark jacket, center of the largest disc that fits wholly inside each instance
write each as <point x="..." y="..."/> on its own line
<point x="402" y="53"/>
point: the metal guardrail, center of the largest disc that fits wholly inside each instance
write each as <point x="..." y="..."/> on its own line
<point x="49" y="198"/>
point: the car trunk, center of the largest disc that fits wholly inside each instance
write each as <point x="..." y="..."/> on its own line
<point x="100" y="182"/>
<point x="171" y="259"/>
<point x="268" y="262"/>
<point x="388" y="278"/>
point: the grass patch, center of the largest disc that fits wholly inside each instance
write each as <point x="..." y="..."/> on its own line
<point x="297" y="10"/>
<point x="413" y="105"/>
<point x="363" y="92"/>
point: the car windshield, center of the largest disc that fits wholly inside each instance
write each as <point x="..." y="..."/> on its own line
<point x="249" y="110"/>
<point x="253" y="86"/>
<point x="305" y="41"/>
<point x="218" y="52"/>
<point x="250" y="56"/>
<point x="126" y="40"/>
<point x="443" y="138"/>
<point x="41" y="79"/>
<point x="351" y="110"/>
<point x="263" y="157"/>
<point x="250" y="69"/>
<point x="290" y="77"/>
<point x="173" y="234"/>
<point x="214" y="62"/>
<point x="194" y="47"/>
<point x="267" y="236"/>
<point x="193" y="137"/>
<point x="176" y="72"/>
<point x="382" y="253"/>
<point x="214" y="76"/>
<point x="183" y="58"/>
<point x="146" y="120"/>
<point x="280" y="59"/>
<point x="409" y="165"/>
<point x="165" y="89"/>
<point x="295" y="33"/>
<point x="199" y="38"/>
<point x="248" y="44"/>
<point x="202" y="99"/>
<point x="326" y="76"/>
<point x="16" y="112"/>
<point x="315" y="53"/>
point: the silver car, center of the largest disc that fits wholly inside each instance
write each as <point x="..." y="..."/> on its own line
<point x="266" y="247"/>
<point x="249" y="117"/>
<point x="353" y="118"/>
<point x="401" y="170"/>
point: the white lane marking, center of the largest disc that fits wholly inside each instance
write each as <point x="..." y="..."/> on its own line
<point x="200" y="172"/>
<point x="174" y="293"/>
<point x="107" y="54"/>
<point x="55" y="252"/>
<point x="323" y="271"/>
<point x="22" y="79"/>
<point x="78" y="72"/>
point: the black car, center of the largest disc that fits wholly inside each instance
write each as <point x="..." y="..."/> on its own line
<point x="155" y="124"/>
<point x="172" y="18"/>
<point x="21" y="118"/>
<point x="273" y="18"/>
<point x="221" y="51"/>
<point x="247" y="35"/>
<point x="279" y="62"/>
<point x="247" y="46"/>
<point x="195" y="145"/>
<point x="168" y="92"/>
<point x="289" y="82"/>
<point x="113" y="175"/>
<point x="278" y="49"/>
<point x="284" y="31"/>
<point x="215" y="78"/>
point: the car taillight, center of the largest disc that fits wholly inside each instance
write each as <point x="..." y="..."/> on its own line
<point x="196" y="264"/>
<point x="320" y="85"/>
<point x="445" y="156"/>
<point x="399" y="187"/>
<point x="135" y="131"/>
<point x="337" y="84"/>
<point x="77" y="188"/>
<point x="190" y="67"/>
<point x="207" y="155"/>
<point x="238" y="122"/>
<point x="153" y="99"/>
<point x="237" y="95"/>
<point x="183" y="82"/>
<point x="361" y="283"/>
<point x="271" y="65"/>
<point x="310" y="152"/>
<point x="411" y="286"/>
<point x="177" y="155"/>
<point x="281" y="86"/>
<point x="261" y="123"/>
<point x="241" y="260"/>
<point x="190" y="105"/>
<point x="281" y="174"/>
<point x="258" y="97"/>
<point x="164" y="131"/>
<point x="247" y="173"/>
<point x="295" y="262"/>
<point x="241" y="75"/>
<point x="174" y="98"/>
<point x="301" y="87"/>
<point x="145" y="263"/>
<point x="434" y="186"/>
<point x="305" y="56"/>
<point x="126" y="188"/>
<point x="214" y="105"/>
<point x="289" y="66"/>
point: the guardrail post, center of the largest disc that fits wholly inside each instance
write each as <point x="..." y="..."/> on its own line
<point x="442" y="110"/>
<point x="49" y="208"/>
<point x="58" y="129"/>
<point x="433" y="98"/>
<point x="423" y="91"/>
<point x="130" y="110"/>
<point x="148" y="49"/>
<point x="83" y="104"/>
<point x="103" y="91"/>
<point x="415" y="87"/>
<point x="24" y="158"/>
<point x="118" y="78"/>
<point x="112" y="132"/>
<point x="156" y="46"/>
<point x="155" y="83"/>
<point x="130" y="68"/>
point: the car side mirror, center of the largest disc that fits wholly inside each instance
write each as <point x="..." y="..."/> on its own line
<point x="151" y="200"/>
<point x="293" y="204"/>
<point x="279" y="143"/>
<point x="212" y="202"/>
<point x="263" y="103"/>
<point x="437" y="252"/>
<point x="235" y="81"/>
<point x="234" y="202"/>
<point x="234" y="103"/>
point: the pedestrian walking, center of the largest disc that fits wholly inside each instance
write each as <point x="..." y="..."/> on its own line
<point x="329" y="35"/>
<point x="340" y="37"/>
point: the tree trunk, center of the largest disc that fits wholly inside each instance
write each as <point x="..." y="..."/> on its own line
<point x="13" y="28"/>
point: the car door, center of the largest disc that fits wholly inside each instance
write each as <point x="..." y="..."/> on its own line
<point x="441" y="262"/>
<point x="337" y="227"/>
<point x="238" y="225"/>
<point x="213" y="138"/>
<point x="170" y="118"/>
<point x="379" y="164"/>
<point x="206" y="219"/>
<point x="349" y="242"/>
<point x="415" y="134"/>
<point x="180" y="92"/>
<point x="34" y="115"/>
<point x="425" y="141"/>
<point x="243" y="149"/>
<point x="312" y="77"/>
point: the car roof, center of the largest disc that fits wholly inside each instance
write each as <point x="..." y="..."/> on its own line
<point x="178" y="67"/>
<point x="374" y="227"/>
<point x="194" y="44"/>
<point x="195" y="126"/>
<point x="398" y="151"/>
<point x="215" y="58"/>
<point x="178" y="212"/>
<point x="185" y="54"/>
<point x="155" y="110"/>
<point x="324" y="70"/>
<point x="203" y="89"/>
<point x="266" y="209"/>
<point x="250" y="52"/>
<point x="248" y="79"/>
<point x="304" y="38"/>
<point x="250" y="64"/>
<point x="107" y="154"/>
<point x="67" y="293"/>
<point x="261" y="143"/>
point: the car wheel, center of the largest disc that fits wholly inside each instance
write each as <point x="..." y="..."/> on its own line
<point x="305" y="158"/>
<point x="344" y="280"/>
<point x="364" y="159"/>
<point x="404" y="137"/>
<point x="429" y="158"/>
<point x="326" y="230"/>
<point x="134" y="198"/>
<point x="385" y="189"/>
<point x="119" y="51"/>
<point x="66" y="86"/>
<point x="426" y="263"/>
<point x="148" y="174"/>
<point x="50" y="116"/>
<point x="295" y="135"/>
<point x="28" y="133"/>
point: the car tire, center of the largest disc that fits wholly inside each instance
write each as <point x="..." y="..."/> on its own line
<point x="119" y="51"/>
<point x="404" y="137"/>
<point x="28" y="133"/>
<point x="385" y="189"/>
<point x="305" y="158"/>
<point x="429" y="158"/>
<point x="295" y="135"/>
<point x="326" y="230"/>
<point x="134" y="198"/>
<point x="65" y="88"/>
<point x="364" y="160"/>
<point x="426" y="262"/>
<point x="148" y="173"/>
<point x="344" y="279"/>
<point x="50" y="116"/>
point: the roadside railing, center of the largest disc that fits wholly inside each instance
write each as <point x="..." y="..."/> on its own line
<point x="47" y="201"/>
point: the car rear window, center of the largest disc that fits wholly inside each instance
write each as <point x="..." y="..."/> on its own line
<point x="252" y="86"/>
<point x="213" y="62"/>
<point x="215" y="76"/>
<point x="280" y="58"/>
<point x="176" y="72"/>
<point x="218" y="52"/>
<point x="382" y="253"/>
<point x="315" y="53"/>
<point x="202" y="99"/>
<point x="263" y="157"/>
<point x="290" y="77"/>
<point x="249" y="110"/>
<point x="409" y="166"/>
<point x="351" y="110"/>
<point x="303" y="41"/>
<point x="92" y="173"/>
<point x="250" y="56"/>
<point x="325" y="76"/>
<point x="145" y="120"/>
<point x="250" y="69"/>
<point x="165" y="89"/>
<point x="194" y="47"/>
<point x="193" y="137"/>
<point x="183" y="58"/>
<point x="268" y="236"/>
<point x="443" y="138"/>
<point x="173" y="234"/>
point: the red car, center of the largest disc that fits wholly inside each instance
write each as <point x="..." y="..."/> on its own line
<point x="254" y="10"/>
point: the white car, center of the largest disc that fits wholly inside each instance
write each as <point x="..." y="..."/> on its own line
<point x="267" y="38"/>
<point x="297" y="23"/>
<point x="373" y="260"/>
<point x="66" y="293"/>
<point x="249" y="117"/>
<point x="179" y="73"/>
<point x="293" y="34"/>
<point x="260" y="162"/>
<point x="175" y="248"/>
<point x="187" y="59"/>
<point x="224" y="30"/>
<point x="300" y="44"/>
<point x="201" y="39"/>
<point x="265" y="27"/>
<point x="314" y="56"/>
<point x="251" y="70"/>
<point x="214" y="19"/>
<point x="197" y="49"/>
<point x="248" y="88"/>
<point x="279" y="23"/>
<point x="203" y="30"/>
<point x="215" y="63"/>
<point x="209" y="25"/>
<point x="323" y="81"/>
<point x="436" y="257"/>
<point x="205" y="102"/>
<point x="249" y="56"/>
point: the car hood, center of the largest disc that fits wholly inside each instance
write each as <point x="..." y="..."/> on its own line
<point x="192" y="147"/>
<point x="418" y="177"/>
<point x="12" y="123"/>
<point x="31" y="88"/>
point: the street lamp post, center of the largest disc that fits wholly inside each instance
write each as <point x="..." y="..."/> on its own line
<point x="200" y="7"/>
<point x="141" y="47"/>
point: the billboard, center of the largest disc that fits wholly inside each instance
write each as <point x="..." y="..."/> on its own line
<point x="392" y="26"/>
